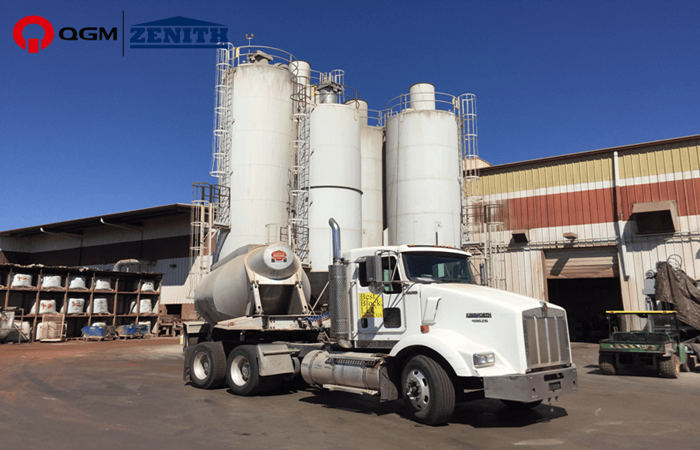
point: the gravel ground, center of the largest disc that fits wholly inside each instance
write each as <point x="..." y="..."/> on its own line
<point x="112" y="394"/>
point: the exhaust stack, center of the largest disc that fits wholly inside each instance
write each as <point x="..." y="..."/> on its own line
<point x="338" y="292"/>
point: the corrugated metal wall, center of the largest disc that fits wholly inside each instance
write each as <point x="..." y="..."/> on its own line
<point x="594" y="262"/>
<point x="667" y="172"/>
<point x="175" y="272"/>
<point x="576" y="194"/>
<point x="162" y="239"/>
<point x="644" y="252"/>
<point x="525" y="272"/>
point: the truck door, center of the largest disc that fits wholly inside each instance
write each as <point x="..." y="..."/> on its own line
<point x="381" y="314"/>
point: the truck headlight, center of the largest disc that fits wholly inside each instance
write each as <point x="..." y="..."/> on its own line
<point x="484" y="359"/>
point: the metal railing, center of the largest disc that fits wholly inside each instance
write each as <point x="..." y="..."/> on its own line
<point x="206" y="219"/>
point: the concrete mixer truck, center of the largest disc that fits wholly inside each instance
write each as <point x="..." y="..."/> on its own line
<point x="401" y="322"/>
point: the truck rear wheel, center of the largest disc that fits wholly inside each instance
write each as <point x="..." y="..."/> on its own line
<point x="670" y="367"/>
<point x="242" y="373"/>
<point x="606" y="364"/>
<point x="427" y="391"/>
<point x="207" y="365"/>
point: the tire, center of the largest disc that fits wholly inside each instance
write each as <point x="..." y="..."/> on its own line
<point x="691" y="363"/>
<point x="207" y="365"/>
<point x="521" y="406"/>
<point x="606" y="364"/>
<point x="685" y="368"/>
<point x="670" y="367"/>
<point x="428" y="392"/>
<point x="242" y="372"/>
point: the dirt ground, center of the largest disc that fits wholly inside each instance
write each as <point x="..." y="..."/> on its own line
<point x="131" y="393"/>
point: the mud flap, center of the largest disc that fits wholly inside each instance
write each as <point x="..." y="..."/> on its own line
<point x="387" y="388"/>
<point x="186" y="366"/>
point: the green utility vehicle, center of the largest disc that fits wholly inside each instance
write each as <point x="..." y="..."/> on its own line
<point x="653" y="343"/>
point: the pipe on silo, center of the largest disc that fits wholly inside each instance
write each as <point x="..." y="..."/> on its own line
<point x="422" y="96"/>
<point x="327" y="92"/>
<point x="301" y="76"/>
<point x="301" y="71"/>
<point x="362" y="108"/>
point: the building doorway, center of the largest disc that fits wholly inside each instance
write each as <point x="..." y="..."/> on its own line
<point x="585" y="282"/>
<point x="585" y="301"/>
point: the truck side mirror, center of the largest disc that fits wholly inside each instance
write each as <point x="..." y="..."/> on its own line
<point x="374" y="269"/>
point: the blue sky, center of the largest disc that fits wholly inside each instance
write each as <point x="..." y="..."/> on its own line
<point x="85" y="131"/>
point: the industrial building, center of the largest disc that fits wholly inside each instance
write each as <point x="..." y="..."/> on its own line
<point x="581" y="230"/>
<point x="157" y="237"/>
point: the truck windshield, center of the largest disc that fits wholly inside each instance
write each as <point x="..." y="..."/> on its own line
<point x="430" y="267"/>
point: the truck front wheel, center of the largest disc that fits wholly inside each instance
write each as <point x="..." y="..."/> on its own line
<point x="427" y="391"/>
<point x="242" y="374"/>
<point x="207" y="365"/>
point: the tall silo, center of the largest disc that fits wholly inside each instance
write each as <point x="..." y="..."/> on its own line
<point x="422" y="169"/>
<point x="335" y="179"/>
<point x="260" y="145"/>
<point x="371" y="142"/>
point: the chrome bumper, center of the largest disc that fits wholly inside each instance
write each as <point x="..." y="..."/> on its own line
<point x="532" y="386"/>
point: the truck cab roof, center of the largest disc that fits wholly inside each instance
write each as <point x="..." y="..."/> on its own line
<point x="354" y="254"/>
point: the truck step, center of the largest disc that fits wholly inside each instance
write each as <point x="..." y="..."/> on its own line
<point x="352" y="390"/>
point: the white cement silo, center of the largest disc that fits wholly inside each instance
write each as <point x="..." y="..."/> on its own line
<point x="260" y="138"/>
<point x="371" y="142"/>
<point x="335" y="180"/>
<point x="422" y="172"/>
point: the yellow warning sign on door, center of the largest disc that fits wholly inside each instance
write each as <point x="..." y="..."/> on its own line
<point x="371" y="306"/>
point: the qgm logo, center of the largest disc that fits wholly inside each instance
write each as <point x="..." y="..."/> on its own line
<point x="65" y="33"/>
<point x="33" y="43"/>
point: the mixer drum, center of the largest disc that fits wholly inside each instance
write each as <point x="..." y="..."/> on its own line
<point x="226" y="292"/>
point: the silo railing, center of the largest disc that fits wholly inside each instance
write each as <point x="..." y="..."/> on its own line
<point x="442" y="102"/>
<point x="246" y="53"/>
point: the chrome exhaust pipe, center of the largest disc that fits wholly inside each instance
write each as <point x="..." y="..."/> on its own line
<point x="338" y="292"/>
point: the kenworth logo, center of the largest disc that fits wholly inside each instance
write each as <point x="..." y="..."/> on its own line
<point x="178" y="32"/>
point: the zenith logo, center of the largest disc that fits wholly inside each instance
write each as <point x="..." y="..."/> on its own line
<point x="178" y="32"/>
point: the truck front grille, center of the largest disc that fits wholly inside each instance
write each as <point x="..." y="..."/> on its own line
<point x="546" y="338"/>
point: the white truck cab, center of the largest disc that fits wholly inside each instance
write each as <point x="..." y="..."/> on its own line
<point x="427" y="297"/>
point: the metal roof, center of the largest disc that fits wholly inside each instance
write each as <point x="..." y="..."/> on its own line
<point x="496" y="168"/>
<point x="76" y="226"/>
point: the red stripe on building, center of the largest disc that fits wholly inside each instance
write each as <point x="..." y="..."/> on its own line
<point x="596" y="205"/>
